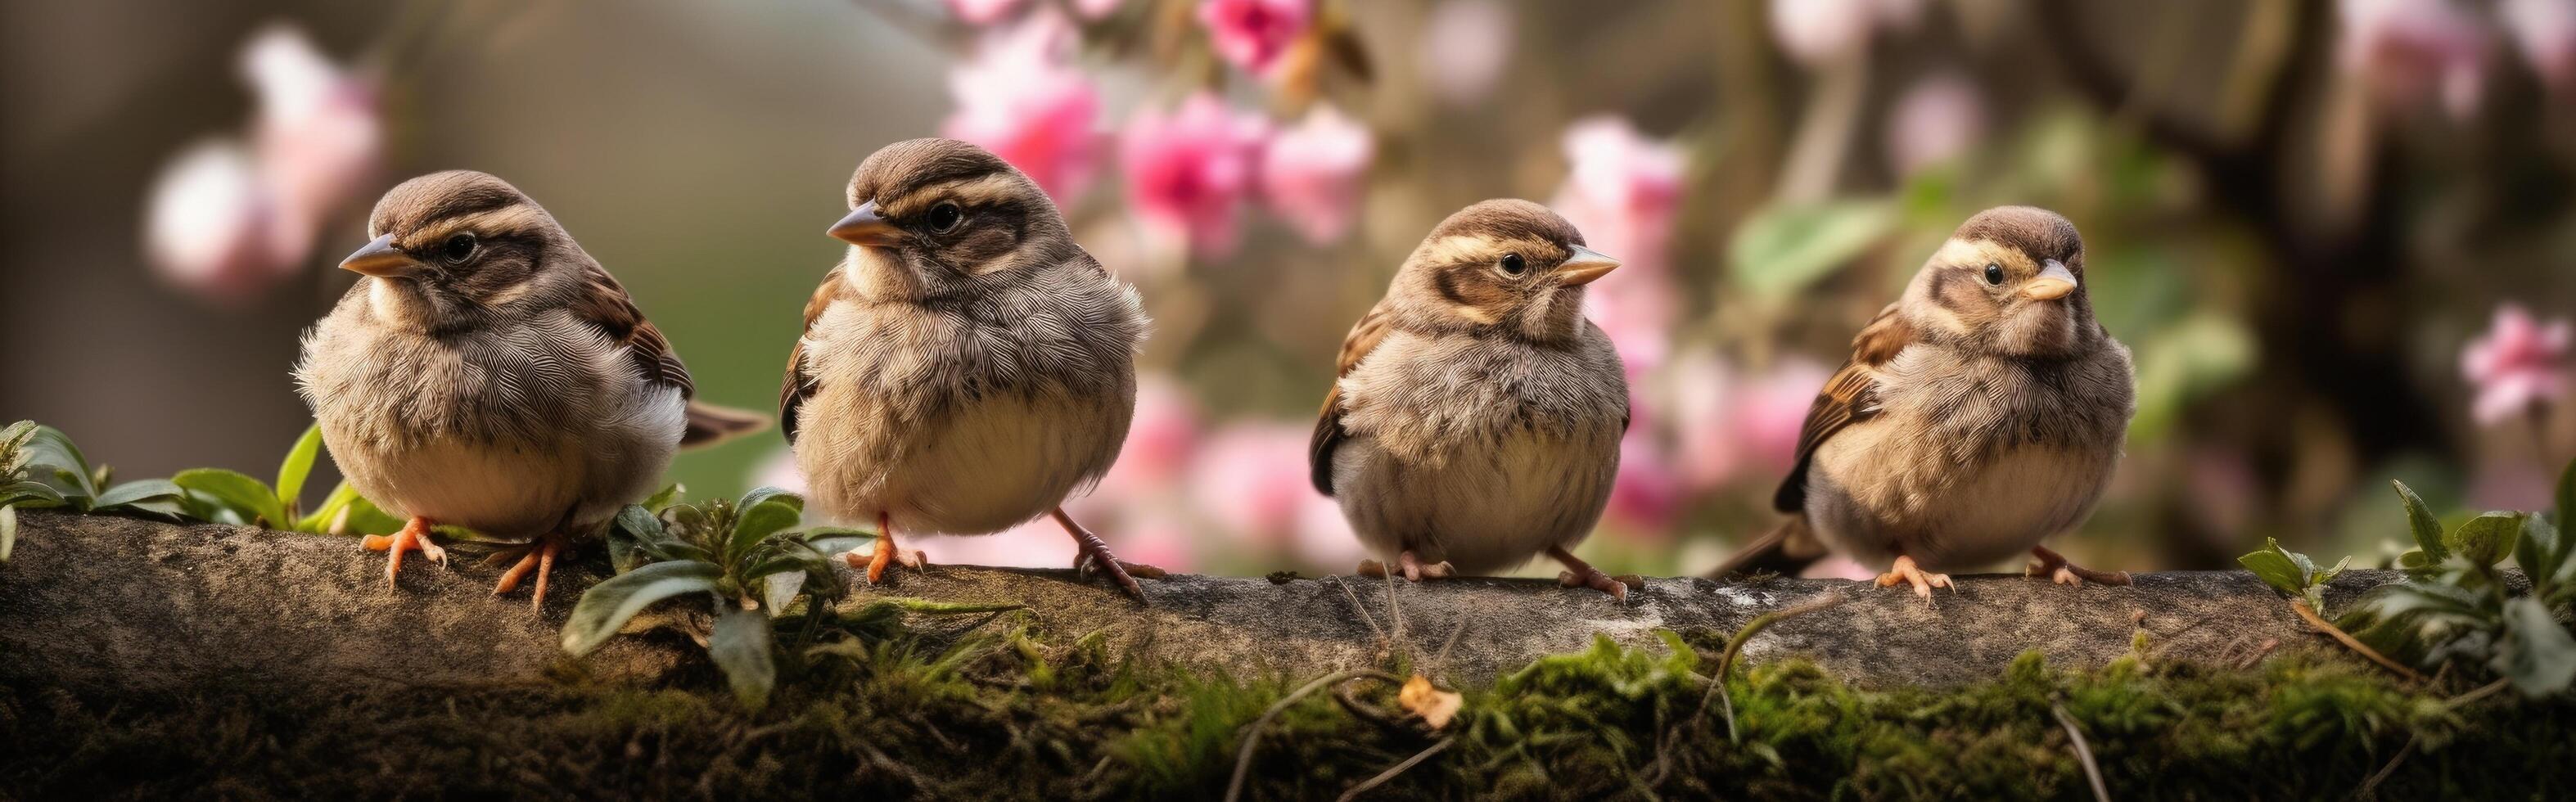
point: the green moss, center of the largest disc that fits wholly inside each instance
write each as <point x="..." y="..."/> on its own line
<point x="1003" y="710"/>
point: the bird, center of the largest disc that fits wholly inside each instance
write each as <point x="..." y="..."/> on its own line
<point x="1980" y="414"/>
<point x="486" y="372"/>
<point x="966" y="366"/>
<point x="1475" y="416"/>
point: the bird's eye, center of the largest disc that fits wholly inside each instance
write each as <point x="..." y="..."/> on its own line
<point x="457" y="249"/>
<point x="944" y="218"/>
<point x="1513" y="264"/>
<point x="1994" y="274"/>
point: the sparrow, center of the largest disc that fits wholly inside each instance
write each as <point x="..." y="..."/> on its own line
<point x="486" y="372"/>
<point x="965" y="367"/>
<point x="1476" y="415"/>
<point x="1978" y="415"/>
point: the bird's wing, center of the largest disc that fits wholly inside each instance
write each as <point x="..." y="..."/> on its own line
<point x="605" y="306"/>
<point x="1364" y="337"/>
<point x="793" y="390"/>
<point x="1849" y="397"/>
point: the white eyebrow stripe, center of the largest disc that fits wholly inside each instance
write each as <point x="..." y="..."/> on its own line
<point x="1458" y="249"/>
<point x="515" y="217"/>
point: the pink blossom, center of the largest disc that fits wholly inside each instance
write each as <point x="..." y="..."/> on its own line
<point x="206" y="226"/>
<point x="1465" y="46"/>
<point x="1254" y="33"/>
<point x="318" y="137"/>
<point x="1729" y="425"/>
<point x="2545" y="30"/>
<point x="2408" y="51"/>
<point x="1647" y="496"/>
<point x="1021" y="98"/>
<point x="1840" y="567"/>
<point x="1311" y="174"/>
<point x="1095" y="9"/>
<point x="1623" y="191"/>
<point x="1250" y="478"/>
<point x="1324" y="538"/>
<point x="2519" y="363"/>
<point x="982" y="12"/>
<point x="1162" y="439"/>
<point x="1819" y="31"/>
<point x="1188" y="172"/>
<point x="1938" y="119"/>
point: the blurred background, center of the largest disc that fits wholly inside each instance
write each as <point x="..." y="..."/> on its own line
<point x="2339" y="236"/>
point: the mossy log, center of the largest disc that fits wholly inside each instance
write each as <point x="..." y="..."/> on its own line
<point x="100" y="603"/>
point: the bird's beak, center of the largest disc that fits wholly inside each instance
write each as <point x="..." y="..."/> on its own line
<point x="864" y="227"/>
<point x="1586" y="265"/>
<point x="2054" y="282"/>
<point x="382" y="260"/>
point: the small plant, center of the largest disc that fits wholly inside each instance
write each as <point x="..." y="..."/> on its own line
<point x="225" y="496"/>
<point x="745" y="559"/>
<point x="2292" y="573"/>
<point x="40" y="468"/>
<point x="2460" y="608"/>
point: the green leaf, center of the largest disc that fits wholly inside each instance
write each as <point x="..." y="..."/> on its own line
<point x="759" y="495"/>
<point x="1780" y="249"/>
<point x="741" y="645"/>
<point x="632" y="537"/>
<point x="2536" y="652"/>
<point x="138" y="492"/>
<point x="2428" y="529"/>
<point x="757" y="522"/>
<point x="2321" y="577"/>
<point x="254" y="501"/>
<point x="319" y="521"/>
<point x="662" y="498"/>
<point x="8" y="530"/>
<point x="65" y="466"/>
<point x="2484" y="540"/>
<point x="608" y="605"/>
<point x="30" y="493"/>
<point x="2534" y="548"/>
<point x="298" y="465"/>
<point x="365" y="518"/>
<point x="2276" y="568"/>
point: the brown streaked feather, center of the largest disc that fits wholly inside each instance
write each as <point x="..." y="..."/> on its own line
<point x="1364" y="338"/>
<point x="796" y="387"/>
<point x="1849" y="397"/>
<point x="605" y="305"/>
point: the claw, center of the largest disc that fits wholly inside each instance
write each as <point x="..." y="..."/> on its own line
<point x="1089" y="550"/>
<point x="413" y="537"/>
<point x="2055" y="566"/>
<point x="1904" y="570"/>
<point x="1580" y="574"/>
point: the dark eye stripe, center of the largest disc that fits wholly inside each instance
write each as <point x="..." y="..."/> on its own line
<point x="1447" y="282"/>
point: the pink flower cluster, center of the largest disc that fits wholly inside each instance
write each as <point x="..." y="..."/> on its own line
<point x="1189" y="170"/>
<point x="2408" y="52"/>
<point x="226" y="219"/>
<point x="2519" y="364"/>
<point x="1021" y="97"/>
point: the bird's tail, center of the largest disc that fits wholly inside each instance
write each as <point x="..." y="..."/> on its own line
<point x="709" y="424"/>
<point x="1787" y="550"/>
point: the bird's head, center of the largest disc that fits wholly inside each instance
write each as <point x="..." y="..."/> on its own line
<point x="1510" y="265"/>
<point x="449" y="247"/>
<point x="934" y="217"/>
<point x="2010" y="281"/>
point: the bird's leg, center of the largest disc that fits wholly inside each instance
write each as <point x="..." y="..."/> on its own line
<point x="540" y="560"/>
<point x="2054" y="566"/>
<point x="1090" y="553"/>
<point x="1581" y="574"/>
<point x="414" y="536"/>
<point x="1904" y="570"/>
<point x="886" y="552"/>
<point x="1414" y="569"/>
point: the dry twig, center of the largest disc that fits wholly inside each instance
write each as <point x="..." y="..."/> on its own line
<point x="1252" y="734"/>
<point x="2083" y="751"/>
<point x="2301" y="607"/>
<point x="1399" y="768"/>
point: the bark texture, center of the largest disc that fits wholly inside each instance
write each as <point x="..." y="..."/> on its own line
<point x="103" y="603"/>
